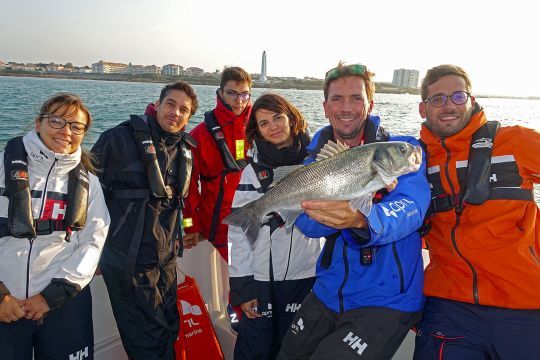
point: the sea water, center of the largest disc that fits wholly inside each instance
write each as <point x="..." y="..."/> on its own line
<point x="111" y="102"/>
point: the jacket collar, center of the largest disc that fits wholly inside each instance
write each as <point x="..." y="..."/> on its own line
<point x="41" y="158"/>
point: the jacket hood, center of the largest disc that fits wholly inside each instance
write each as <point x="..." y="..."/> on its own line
<point x="41" y="158"/>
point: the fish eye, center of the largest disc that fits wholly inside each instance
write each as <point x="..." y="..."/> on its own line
<point x="403" y="149"/>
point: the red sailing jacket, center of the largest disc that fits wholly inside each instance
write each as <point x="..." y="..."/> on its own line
<point x="207" y="169"/>
<point x="490" y="254"/>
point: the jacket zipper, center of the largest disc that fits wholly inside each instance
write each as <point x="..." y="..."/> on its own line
<point x="32" y="240"/>
<point x="453" y="232"/>
<point x="340" y="290"/>
<point x="399" y="267"/>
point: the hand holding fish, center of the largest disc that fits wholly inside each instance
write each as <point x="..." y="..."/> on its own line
<point x="334" y="214"/>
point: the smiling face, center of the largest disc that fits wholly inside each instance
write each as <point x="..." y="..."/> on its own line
<point x="174" y="111"/>
<point x="450" y="118"/>
<point x="347" y="108"/>
<point x="274" y="127"/>
<point x="61" y="141"/>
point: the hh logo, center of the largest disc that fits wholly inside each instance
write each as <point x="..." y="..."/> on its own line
<point x="355" y="343"/>
<point x="292" y="307"/>
<point x="79" y="355"/>
<point x="54" y="209"/>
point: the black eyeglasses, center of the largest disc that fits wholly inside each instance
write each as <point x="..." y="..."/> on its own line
<point x="57" y="122"/>
<point x="233" y="95"/>
<point x="458" y="98"/>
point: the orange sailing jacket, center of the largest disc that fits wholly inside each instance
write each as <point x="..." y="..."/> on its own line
<point x="490" y="253"/>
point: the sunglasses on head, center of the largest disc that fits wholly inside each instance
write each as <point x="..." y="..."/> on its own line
<point x="337" y="72"/>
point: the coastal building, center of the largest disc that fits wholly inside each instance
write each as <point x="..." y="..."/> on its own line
<point x="143" y="69"/>
<point x="194" y="71"/>
<point x="263" y="77"/>
<point x="406" y="78"/>
<point x="2" y="65"/>
<point x="103" y="67"/>
<point x="172" y="69"/>
<point x="52" y="67"/>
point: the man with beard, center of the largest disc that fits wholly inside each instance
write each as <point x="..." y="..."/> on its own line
<point x="483" y="280"/>
<point x="368" y="288"/>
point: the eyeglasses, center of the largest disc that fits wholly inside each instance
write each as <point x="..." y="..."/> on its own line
<point x="233" y="95"/>
<point x="57" y="122"/>
<point x="458" y="98"/>
<point x="337" y="72"/>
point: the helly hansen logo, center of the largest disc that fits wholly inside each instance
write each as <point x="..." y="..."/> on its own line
<point x="482" y="143"/>
<point x="355" y="343"/>
<point x="79" y="355"/>
<point x="292" y="307"/>
<point x="493" y="178"/>
<point x="297" y="326"/>
<point x="393" y="208"/>
<point x="54" y="209"/>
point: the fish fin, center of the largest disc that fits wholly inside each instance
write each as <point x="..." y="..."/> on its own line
<point x="289" y="217"/>
<point x="283" y="171"/>
<point x="387" y="179"/>
<point x="247" y="218"/>
<point x="331" y="149"/>
<point x="362" y="204"/>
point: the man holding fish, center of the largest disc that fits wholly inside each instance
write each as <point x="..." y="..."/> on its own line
<point x="368" y="291"/>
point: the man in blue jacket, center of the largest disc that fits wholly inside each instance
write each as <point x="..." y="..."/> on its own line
<point x="368" y="291"/>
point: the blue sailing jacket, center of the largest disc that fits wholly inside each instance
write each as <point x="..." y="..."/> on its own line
<point x="394" y="278"/>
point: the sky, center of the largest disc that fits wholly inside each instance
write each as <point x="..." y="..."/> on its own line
<point x="496" y="42"/>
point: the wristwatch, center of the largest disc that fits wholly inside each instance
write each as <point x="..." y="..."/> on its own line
<point x="3" y="291"/>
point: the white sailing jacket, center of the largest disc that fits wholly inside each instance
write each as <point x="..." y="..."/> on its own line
<point x="26" y="268"/>
<point x="294" y="255"/>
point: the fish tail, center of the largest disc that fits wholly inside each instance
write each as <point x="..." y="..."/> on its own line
<point x="248" y="218"/>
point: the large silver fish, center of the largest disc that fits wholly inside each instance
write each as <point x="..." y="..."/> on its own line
<point x="339" y="173"/>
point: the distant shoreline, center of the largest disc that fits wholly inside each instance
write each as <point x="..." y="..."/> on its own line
<point x="274" y="83"/>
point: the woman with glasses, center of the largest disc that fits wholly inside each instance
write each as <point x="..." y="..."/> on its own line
<point x="53" y="224"/>
<point x="270" y="279"/>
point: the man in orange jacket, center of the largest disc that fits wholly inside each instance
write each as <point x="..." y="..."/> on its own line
<point x="483" y="279"/>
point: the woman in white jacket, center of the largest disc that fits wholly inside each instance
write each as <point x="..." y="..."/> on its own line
<point x="53" y="223"/>
<point x="269" y="280"/>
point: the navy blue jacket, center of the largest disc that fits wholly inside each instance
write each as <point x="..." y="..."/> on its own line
<point x="395" y="278"/>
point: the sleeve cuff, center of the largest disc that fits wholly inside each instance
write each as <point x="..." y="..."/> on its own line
<point x="243" y="289"/>
<point x="58" y="292"/>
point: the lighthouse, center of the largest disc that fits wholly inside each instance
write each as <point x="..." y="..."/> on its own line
<point x="263" y="78"/>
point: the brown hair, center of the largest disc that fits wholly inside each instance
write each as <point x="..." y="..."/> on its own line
<point x="185" y="87"/>
<point x="344" y="71"/>
<point x="278" y="104"/>
<point x="235" y="73"/>
<point x="438" y="72"/>
<point x="67" y="105"/>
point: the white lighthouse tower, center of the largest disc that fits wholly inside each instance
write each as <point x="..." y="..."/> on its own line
<point x="263" y="78"/>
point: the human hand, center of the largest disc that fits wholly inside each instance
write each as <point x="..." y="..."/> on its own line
<point x="190" y="240"/>
<point x="250" y="309"/>
<point x="334" y="214"/>
<point x="36" y="307"/>
<point x="391" y="187"/>
<point x="10" y="309"/>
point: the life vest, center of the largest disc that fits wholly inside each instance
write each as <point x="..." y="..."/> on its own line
<point x="231" y="165"/>
<point x="21" y="223"/>
<point x="157" y="188"/>
<point x="475" y="176"/>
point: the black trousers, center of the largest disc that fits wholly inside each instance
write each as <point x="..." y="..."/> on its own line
<point x="146" y="315"/>
<point x="260" y="338"/>
<point x="370" y="333"/>
<point x="66" y="333"/>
